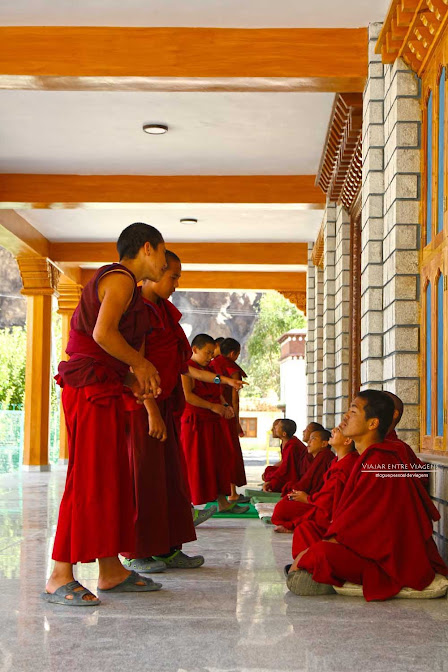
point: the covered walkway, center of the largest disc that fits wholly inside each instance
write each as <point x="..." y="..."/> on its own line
<point x="233" y="614"/>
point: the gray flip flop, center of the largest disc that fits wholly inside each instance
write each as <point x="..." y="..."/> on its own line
<point x="129" y="585"/>
<point x="236" y="509"/>
<point x="59" y="596"/>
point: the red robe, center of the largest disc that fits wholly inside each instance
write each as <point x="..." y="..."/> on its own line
<point x="295" y="461"/>
<point x="321" y="505"/>
<point x="410" y="458"/>
<point x="97" y="509"/>
<point x="162" y="496"/>
<point x="226" y="367"/>
<point x="384" y="531"/>
<point x="207" y="445"/>
<point x="313" y="478"/>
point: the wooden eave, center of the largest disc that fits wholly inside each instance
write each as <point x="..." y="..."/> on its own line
<point x="411" y="31"/>
<point x="339" y="174"/>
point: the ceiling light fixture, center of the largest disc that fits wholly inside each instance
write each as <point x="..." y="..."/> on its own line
<point x="155" y="129"/>
<point x="188" y="220"/>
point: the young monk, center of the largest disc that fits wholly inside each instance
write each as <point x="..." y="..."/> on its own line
<point x="411" y="459"/>
<point x="272" y="468"/>
<point x="313" y="478"/>
<point x="225" y="365"/>
<point x="381" y="534"/>
<point x="164" y="521"/>
<point x="107" y="330"/>
<point x="295" y="458"/>
<point x="218" y="342"/>
<point x="206" y="439"/>
<point x="316" y="511"/>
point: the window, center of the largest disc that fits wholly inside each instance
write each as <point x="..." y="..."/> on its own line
<point x="428" y="360"/>
<point x="249" y="427"/>
<point x="440" y="357"/>
<point x="429" y="169"/>
<point x="441" y="154"/>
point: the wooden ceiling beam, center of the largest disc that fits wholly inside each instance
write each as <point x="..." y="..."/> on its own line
<point x="190" y="253"/>
<point x="318" y="59"/>
<point x="233" y="280"/>
<point x="82" y="191"/>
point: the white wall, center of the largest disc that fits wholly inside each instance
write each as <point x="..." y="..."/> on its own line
<point x="293" y="391"/>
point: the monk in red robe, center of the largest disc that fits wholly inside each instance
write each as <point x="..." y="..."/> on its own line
<point x="225" y="365"/>
<point x="313" y="478"/>
<point x="313" y="513"/>
<point x="270" y="470"/>
<point x="205" y="434"/>
<point x="295" y="458"/>
<point x="107" y="330"/>
<point x="218" y="342"/>
<point x="381" y="534"/>
<point x="410" y="458"/>
<point x="164" y="519"/>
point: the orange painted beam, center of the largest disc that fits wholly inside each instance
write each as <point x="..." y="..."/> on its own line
<point x="19" y="237"/>
<point x="257" y="280"/>
<point x="190" y="253"/>
<point x="43" y="191"/>
<point x="320" y="55"/>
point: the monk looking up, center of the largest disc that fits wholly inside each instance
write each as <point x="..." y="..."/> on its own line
<point x="272" y="468"/>
<point x="295" y="458"/>
<point x="322" y="456"/>
<point x="106" y="337"/>
<point x="313" y="513"/>
<point x="381" y="533"/>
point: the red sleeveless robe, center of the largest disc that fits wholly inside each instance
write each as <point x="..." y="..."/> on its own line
<point x="226" y="367"/>
<point x="207" y="445"/>
<point x="96" y="516"/>
<point x="162" y="495"/>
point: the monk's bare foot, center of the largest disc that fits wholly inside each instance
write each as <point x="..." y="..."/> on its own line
<point x="282" y="530"/>
<point x="295" y="564"/>
<point x="61" y="575"/>
<point x="113" y="573"/>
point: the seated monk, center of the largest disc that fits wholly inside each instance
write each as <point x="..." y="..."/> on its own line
<point x="413" y="462"/>
<point x="271" y="468"/>
<point x="322" y="455"/>
<point x="315" y="512"/>
<point x="295" y="458"/>
<point x="381" y="533"/>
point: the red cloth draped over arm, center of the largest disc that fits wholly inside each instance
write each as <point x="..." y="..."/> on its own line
<point x="409" y="458"/>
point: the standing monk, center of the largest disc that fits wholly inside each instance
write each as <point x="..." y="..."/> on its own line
<point x="225" y="365"/>
<point x="96" y="516"/>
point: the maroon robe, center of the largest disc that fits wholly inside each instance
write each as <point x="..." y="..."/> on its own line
<point x="207" y="445"/>
<point x="321" y="505"/>
<point x="313" y="478"/>
<point x="162" y="496"/>
<point x="295" y="461"/>
<point x="383" y="527"/>
<point x="410" y="458"/>
<point x="97" y="509"/>
<point x="224" y="366"/>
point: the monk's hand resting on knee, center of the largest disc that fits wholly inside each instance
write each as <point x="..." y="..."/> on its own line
<point x="298" y="496"/>
<point x="267" y="487"/>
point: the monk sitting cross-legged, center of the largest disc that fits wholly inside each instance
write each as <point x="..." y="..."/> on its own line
<point x="310" y="515"/>
<point x="271" y="469"/>
<point x="295" y="458"/>
<point x="313" y="478"/>
<point x="381" y="533"/>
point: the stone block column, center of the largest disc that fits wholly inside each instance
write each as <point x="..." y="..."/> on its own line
<point x="310" y="335"/>
<point x="328" y="317"/>
<point x="319" y="346"/>
<point x="402" y="151"/>
<point x="372" y="225"/>
<point x="69" y="295"/>
<point x="341" y="312"/>
<point x="39" y="279"/>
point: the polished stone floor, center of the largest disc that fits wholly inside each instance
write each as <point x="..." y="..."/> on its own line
<point x="232" y="615"/>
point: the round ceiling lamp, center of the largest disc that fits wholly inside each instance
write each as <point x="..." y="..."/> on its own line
<point x="188" y="220"/>
<point x="155" y="129"/>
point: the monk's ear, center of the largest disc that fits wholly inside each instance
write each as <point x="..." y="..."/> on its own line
<point x="374" y="423"/>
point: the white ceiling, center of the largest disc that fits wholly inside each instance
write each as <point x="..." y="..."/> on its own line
<point x="220" y="222"/>
<point x="215" y="13"/>
<point x="89" y="132"/>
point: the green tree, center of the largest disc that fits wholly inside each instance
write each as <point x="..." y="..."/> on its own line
<point x="12" y="366"/>
<point x="276" y="316"/>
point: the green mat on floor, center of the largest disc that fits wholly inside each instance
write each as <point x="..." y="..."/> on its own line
<point x="252" y="513"/>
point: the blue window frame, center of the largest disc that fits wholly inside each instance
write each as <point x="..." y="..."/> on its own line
<point x="428" y="360"/>
<point x="429" y="117"/>
<point x="440" y="362"/>
<point x="441" y="154"/>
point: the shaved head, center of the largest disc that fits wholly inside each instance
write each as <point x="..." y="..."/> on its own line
<point x="398" y="405"/>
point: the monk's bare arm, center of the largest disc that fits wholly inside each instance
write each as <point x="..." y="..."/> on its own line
<point x="194" y="400"/>
<point x="209" y="377"/>
<point x="157" y="428"/>
<point x="115" y="293"/>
